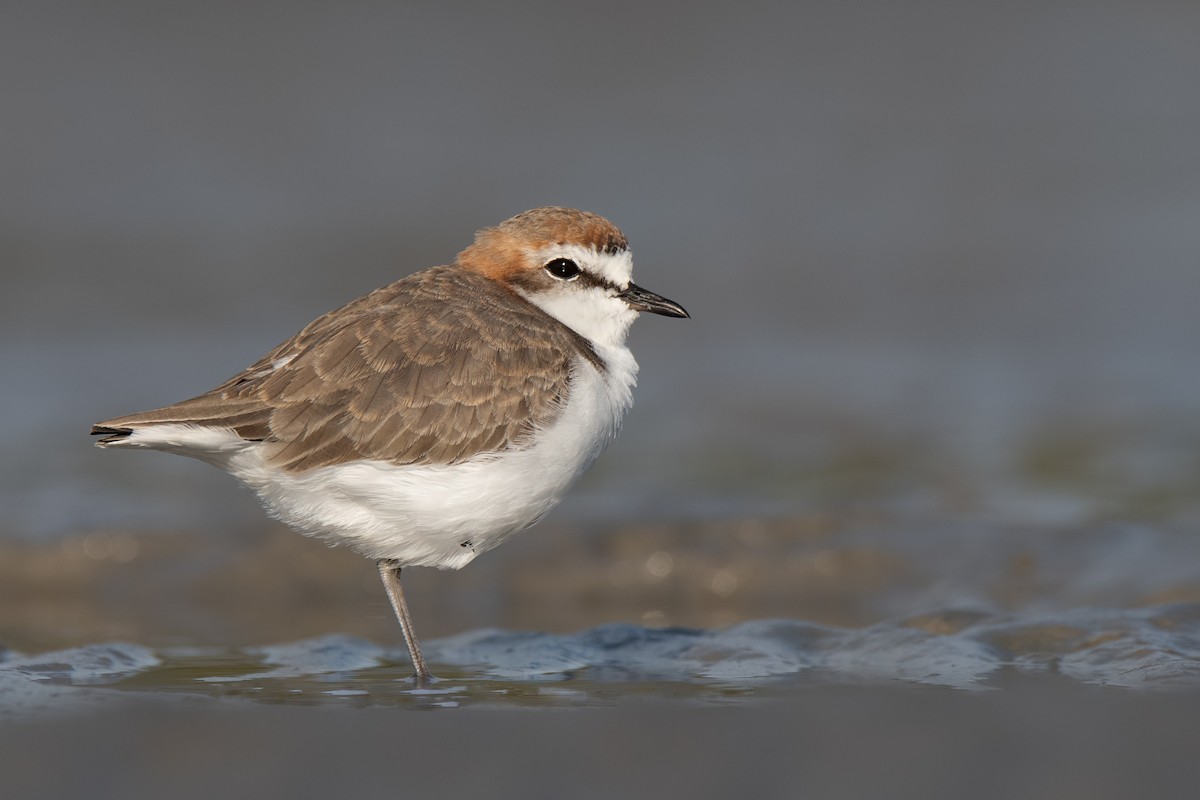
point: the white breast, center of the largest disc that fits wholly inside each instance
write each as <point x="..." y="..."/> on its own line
<point x="444" y="516"/>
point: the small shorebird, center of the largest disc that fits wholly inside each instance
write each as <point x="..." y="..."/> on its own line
<point x="428" y="421"/>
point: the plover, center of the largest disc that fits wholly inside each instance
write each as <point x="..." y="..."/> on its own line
<point x="428" y="421"/>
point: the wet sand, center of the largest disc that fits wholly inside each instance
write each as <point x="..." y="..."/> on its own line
<point x="268" y="584"/>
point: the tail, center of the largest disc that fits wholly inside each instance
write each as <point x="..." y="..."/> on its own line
<point x="203" y="425"/>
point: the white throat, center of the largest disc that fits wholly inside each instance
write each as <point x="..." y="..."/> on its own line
<point x="594" y="312"/>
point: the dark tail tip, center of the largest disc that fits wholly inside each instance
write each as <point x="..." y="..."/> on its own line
<point x="110" y="434"/>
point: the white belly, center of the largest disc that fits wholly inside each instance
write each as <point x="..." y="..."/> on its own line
<point x="444" y="516"/>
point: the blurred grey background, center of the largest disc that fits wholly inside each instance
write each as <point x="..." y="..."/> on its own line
<point x="939" y="256"/>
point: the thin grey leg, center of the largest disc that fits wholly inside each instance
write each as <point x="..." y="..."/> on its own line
<point x="390" y="573"/>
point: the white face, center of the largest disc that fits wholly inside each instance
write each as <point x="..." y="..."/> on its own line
<point x="586" y="302"/>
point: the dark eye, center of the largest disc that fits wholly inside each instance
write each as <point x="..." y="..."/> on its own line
<point x="563" y="268"/>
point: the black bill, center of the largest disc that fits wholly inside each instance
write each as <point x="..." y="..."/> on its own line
<point x="644" y="300"/>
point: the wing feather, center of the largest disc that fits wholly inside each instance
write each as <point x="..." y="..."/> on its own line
<point x="417" y="372"/>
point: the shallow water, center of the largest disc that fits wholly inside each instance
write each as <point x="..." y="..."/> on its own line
<point x="1155" y="648"/>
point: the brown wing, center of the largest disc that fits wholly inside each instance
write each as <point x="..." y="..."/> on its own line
<point x="418" y="372"/>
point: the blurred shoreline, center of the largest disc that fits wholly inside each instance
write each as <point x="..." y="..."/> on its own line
<point x="271" y="584"/>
